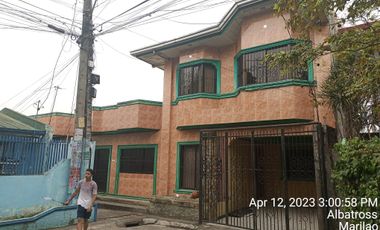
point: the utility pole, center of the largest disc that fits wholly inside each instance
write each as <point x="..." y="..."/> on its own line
<point x="84" y="100"/>
<point x="55" y="97"/>
<point x="39" y="107"/>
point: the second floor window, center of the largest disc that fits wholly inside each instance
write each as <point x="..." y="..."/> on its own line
<point x="199" y="78"/>
<point x="253" y="69"/>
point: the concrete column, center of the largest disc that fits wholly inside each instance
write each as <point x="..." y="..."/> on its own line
<point x="164" y="149"/>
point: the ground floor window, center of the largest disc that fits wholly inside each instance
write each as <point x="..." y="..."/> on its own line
<point x="137" y="160"/>
<point x="189" y="166"/>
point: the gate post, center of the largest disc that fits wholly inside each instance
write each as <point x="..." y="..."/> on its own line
<point x="285" y="178"/>
<point x="254" y="182"/>
<point x="319" y="174"/>
<point x="226" y="170"/>
<point x="200" y="186"/>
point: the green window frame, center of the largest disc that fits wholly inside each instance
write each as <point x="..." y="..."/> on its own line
<point x="137" y="160"/>
<point x="250" y="71"/>
<point x="198" y="77"/>
<point x="180" y="186"/>
<point x="119" y="150"/>
<point x="109" y="148"/>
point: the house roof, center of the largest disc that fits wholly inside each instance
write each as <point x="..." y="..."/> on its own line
<point x="225" y="33"/>
<point x="11" y="120"/>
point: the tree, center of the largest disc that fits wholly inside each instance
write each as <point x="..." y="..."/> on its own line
<point x="353" y="87"/>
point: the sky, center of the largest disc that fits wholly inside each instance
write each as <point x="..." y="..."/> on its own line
<point x="29" y="58"/>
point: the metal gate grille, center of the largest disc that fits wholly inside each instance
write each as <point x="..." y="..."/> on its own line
<point x="270" y="163"/>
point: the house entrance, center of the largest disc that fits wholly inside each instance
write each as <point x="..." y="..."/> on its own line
<point x="241" y="167"/>
<point x="101" y="168"/>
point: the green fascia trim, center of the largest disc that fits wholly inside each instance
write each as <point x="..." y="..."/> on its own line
<point x="183" y="191"/>
<point x="127" y="103"/>
<point x="128" y="197"/>
<point x="213" y="62"/>
<point x="225" y="23"/>
<point x="122" y="131"/>
<point x="242" y="124"/>
<point x="53" y="114"/>
<point x="289" y="82"/>
<point x="119" y="148"/>
<point x="178" y="160"/>
<point x="109" y="148"/>
<point x="269" y="46"/>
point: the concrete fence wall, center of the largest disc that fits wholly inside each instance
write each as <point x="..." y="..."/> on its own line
<point x="22" y="196"/>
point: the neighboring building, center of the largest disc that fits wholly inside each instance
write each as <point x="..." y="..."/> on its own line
<point x="33" y="168"/>
<point x="19" y="139"/>
<point x="216" y="79"/>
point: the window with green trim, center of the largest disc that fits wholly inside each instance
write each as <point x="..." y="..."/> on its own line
<point x="189" y="167"/>
<point x="200" y="78"/>
<point x="137" y="160"/>
<point x="253" y="69"/>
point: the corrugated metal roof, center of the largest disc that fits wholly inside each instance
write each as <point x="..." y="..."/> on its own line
<point x="10" y="119"/>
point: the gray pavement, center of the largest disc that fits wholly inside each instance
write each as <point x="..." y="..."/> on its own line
<point x="115" y="219"/>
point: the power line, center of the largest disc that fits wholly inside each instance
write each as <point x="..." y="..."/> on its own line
<point x="126" y="55"/>
<point x="137" y="21"/>
<point x="45" y="10"/>
<point x="33" y="94"/>
<point x="64" y="66"/>
<point x="122" y="13"/>
<point x="59" y="56"/>
<point x="35" y="17"/>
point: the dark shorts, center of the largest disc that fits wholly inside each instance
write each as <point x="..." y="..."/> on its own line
<point x="82" y="213"/>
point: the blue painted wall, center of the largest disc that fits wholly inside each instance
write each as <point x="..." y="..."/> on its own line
<point x="24" y="195"/>
<point x="51" y="218"/>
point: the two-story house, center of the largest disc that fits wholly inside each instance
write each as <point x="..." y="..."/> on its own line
<point x="229" y="125"/>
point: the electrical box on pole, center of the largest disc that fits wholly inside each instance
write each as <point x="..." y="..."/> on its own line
<point x="95" y="79"/>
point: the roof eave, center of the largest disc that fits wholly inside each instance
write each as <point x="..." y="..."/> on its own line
<point x="154" y="50"/>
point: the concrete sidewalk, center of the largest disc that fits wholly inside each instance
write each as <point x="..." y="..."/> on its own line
<point x="115" y="219"/>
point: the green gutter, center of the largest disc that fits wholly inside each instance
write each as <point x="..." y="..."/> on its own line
<point x="242" y="124"/>
<point x="127" y="103"/>
<point x="122" y="131"/>
<point x="277" y="84"/>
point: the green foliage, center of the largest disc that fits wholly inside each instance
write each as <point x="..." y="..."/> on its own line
<point x="357" y="172"/>
<point x="353" y="88"/>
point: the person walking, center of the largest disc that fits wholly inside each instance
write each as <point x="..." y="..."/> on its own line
<point x="87" y="189"/>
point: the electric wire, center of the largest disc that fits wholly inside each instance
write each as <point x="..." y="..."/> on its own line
<point x="114" y="49"/>
<point x="63" y="67"/>
<point x="124" y="12"/>
<point x="59" y="56"/>
<point x="137" y="21"/>
<point x="159" y="18"/>
<point x="39" y="88"/>
<point x="36" y="18"/>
